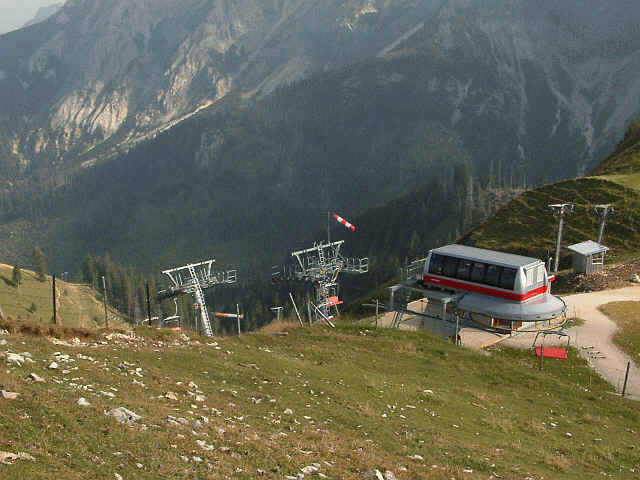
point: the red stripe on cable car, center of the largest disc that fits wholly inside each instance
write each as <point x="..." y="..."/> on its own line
<point x="472" y="287"/>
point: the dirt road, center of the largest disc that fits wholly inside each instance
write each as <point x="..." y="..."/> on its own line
<point x="594" y="339"/>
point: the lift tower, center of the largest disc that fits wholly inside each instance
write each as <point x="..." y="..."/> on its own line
<point x="194" y="279"/>
<point x="321" y="265"/>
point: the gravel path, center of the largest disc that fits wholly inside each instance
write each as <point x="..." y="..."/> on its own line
<point x="594" y="339"/>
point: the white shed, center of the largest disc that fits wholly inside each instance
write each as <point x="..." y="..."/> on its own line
<point x="588" y="257"/>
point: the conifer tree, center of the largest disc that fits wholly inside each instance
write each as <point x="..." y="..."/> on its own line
<point x="39" y="263"/>
<point x="17" y="276"/>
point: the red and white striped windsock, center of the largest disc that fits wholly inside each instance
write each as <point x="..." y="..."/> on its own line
<point x="344" y="222"/>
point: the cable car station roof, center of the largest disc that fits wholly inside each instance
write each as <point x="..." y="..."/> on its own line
<point x="483" y="255"/>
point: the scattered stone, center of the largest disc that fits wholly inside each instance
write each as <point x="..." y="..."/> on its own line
<point x="3" y="342"/>
<point x="568" y="435"/>
<point x="377" y="474"/>
<point x="635" y="278"/>
<point x="9" y="395"/>
<point x="15" y="358"/>
<point x="123" y="415"/>
<point x="428" y="392"/>
<point x="193" y="386"/>
<point x="416" y="457"/>
<point x="288" y="411"/>
<point x="53" y="366"/>
<point x="83" y="402"/>
<point x="309" y="469"/>
<point x="118" y="476"/>
<point x="8" y="458"/>
<point x="36" y="378"/>
<point x="389" y="475"/>
<point x="200" y="398"/>
<point x="4" y="332"/>
<point x="171" y="396"/>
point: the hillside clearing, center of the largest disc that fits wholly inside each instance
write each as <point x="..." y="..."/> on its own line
<point x="341" y="402"/>
<point x="32" y="301"/>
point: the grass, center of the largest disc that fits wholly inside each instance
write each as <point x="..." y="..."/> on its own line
<point x="78" y="305"/>
<point x="360" y="399"/>
<point x="526" y="226"/>
<point x="627" y="316"/>
<point x="631" y="180"/>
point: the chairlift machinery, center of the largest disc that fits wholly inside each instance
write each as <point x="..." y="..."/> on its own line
<point x="194" y="279"/>
<point x="321" y="265"/>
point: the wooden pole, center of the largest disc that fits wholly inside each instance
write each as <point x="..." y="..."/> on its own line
<point x="104" y="289"/>
<point x="55" y="318"/>
<point x="148" y="304"/>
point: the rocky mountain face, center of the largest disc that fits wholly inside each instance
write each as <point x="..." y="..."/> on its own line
<point x="43" y="13"/>
<point x="192" y="122"/>
<point x="102" y="74"/>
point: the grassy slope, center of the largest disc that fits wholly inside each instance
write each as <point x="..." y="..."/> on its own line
<point x="525" y="225"/>
<point x="358" y="401"/>
<point x="627" y="317"/>
<point x="77" y="307"/>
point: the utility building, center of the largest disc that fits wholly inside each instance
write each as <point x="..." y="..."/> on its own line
<point x="588" y="257"/>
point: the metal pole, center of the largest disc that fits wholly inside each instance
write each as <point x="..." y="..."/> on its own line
<point x="541" y="353"/>
<point x="309" y="312"/>
<point x="457" y="326"/>
<point x="55" y="319"/>
<point x="329" y="227"/>
<point x="238" y="317"/>
<point x="626" y="377"/>
<point x="295" y="308"/>
<point x="104" y="289"/>
<point x="559" y="240"/>
<point x="148" y="305"/>
<point x="377" y="310"/>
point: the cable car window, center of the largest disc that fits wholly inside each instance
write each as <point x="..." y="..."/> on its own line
<point x="477" y="273"/>
<point x="508" y="278"/>
<point x="435" y="264"/>
<point x="450" y="266"/>
<point x="492" y="275"/>
<point x="464" y="269"/>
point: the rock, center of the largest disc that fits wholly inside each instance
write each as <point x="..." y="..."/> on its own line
<point x="389" y="475"/>
<point x="200" y="398"/>
<point x="171" y="396"/>
<point x="118" y="476"/>
<point x="8" y="458"/>
<point x="123" y="415"/>
<point x="83" y="402"/>
<point x="53" y="366"/>
<point x="36" y="378"/>
<point x="288" y="411"/>
<point x="377" y="474"/>
<point x="3" y="332"/>
<point x="193" y="386"/>
<point x="635" y="278"/>
<point x="568" y="435"/>
<point x="416" y="457"/>
<point x="3" y="342"/>
<point x="15" y="358"/>
<point x="309" y="469"/>
<point x="9" y="395"/>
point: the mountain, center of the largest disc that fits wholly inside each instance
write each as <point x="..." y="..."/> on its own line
<point x="43" y="13"/>
<point x="96" y="75"/>
<point x="163" y="133"/>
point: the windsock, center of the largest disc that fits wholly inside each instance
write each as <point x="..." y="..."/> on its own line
<point x="341" y="220"/>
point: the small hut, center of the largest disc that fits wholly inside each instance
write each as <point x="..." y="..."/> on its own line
<point x="588" y="257"/>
